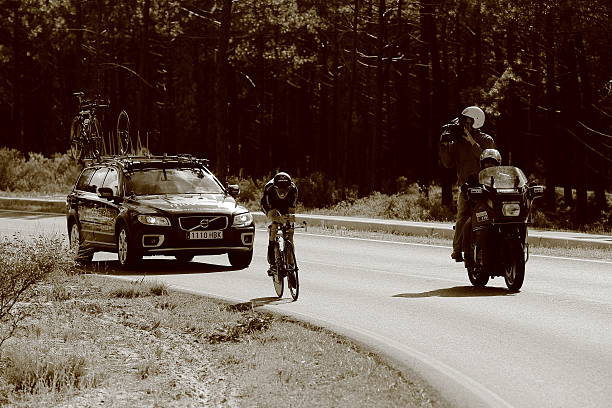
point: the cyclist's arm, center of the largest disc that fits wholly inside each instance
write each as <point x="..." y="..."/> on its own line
<point x="266" y="206"/>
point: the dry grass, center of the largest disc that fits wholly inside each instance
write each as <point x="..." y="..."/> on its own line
<point x="88" y="340"/>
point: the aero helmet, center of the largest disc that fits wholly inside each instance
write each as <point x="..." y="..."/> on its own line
<point x="475" y="113"/>
<point x="282" y="180"/>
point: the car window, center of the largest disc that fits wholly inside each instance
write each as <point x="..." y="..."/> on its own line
<point x="83" y="181"/>
<point x="172" y="181"/>
<point x="97" y="179"/>
<point x="112" y="180"/>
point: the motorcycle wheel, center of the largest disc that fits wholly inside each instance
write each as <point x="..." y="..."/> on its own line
<point x="514" y="271"/>
<point x="478" y="276"/>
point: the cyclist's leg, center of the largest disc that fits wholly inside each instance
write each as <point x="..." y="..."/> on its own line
<point x="289" y="238"/>
<point x="272" y="231"/>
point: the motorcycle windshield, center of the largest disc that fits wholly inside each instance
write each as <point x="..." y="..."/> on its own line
<point x="503" y="177"/>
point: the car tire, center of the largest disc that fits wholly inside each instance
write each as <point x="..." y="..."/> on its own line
<point x="126" y="251"/>
<point x="240" y="259"/>
<point x="80" y="252"/>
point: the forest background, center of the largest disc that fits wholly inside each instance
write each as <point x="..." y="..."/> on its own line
<point x="353" y="92"/>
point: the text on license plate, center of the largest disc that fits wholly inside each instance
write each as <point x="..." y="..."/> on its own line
<point x="205" y="235"/>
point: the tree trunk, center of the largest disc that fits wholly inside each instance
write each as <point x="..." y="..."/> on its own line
<point x="353" y="83"/>
<point x="143" y="96"/>
<point x="221" y="94"/>
<point x="377" y="135"/>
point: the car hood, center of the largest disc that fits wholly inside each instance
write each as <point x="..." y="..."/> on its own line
<point x="189" y="203"/>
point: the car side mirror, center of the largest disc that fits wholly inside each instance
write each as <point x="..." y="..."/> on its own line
<point x="106" y="192"/>
<point x="233" y="189"/>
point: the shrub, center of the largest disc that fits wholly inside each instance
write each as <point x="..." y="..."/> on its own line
<point x="24" y="264"/>
<point x="36" y="173"/>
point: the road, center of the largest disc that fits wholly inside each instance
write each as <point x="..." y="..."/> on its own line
<point x="549" y="345"/>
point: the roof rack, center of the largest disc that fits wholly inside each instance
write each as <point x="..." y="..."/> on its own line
<point x="138" y="161"/>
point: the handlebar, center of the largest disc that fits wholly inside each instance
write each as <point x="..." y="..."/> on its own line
<point x="287" y="225"/>
<point x="97" y="102"/>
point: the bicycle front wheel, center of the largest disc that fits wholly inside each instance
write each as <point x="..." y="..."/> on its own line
<point x="123" y="133"/>
<point x="293" y="281"/>
<point x="76" y="143"/>
<point x="277" y="276"/>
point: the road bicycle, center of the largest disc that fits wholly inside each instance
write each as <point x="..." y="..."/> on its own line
<point x="285" y="260"/>
<point x="85" y="137"/>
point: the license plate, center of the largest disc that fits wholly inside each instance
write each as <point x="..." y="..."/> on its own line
<point x="205" y="235"/>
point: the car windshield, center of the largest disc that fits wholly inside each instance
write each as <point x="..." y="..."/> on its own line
<point x="172" y="181"/>
<point x="502" y="177"/>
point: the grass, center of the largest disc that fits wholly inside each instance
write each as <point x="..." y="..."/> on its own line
<point x="87" y="340"/>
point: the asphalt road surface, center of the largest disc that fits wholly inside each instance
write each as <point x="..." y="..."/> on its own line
<point x="550" y="345"/>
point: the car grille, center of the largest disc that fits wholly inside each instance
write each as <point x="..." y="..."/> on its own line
<point x="199" y="222"/>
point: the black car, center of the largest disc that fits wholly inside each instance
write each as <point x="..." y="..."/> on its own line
<point x="160" y="205"/>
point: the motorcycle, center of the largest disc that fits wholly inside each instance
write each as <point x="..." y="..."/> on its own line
<point x="495" y="239"/>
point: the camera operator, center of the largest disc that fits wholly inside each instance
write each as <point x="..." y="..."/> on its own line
<point x="461" y="144"/>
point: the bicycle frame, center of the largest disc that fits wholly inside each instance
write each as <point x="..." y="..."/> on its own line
<point x="285" y="267"/>
<point x="281" y="245"/>
<point x="87" y="124"/>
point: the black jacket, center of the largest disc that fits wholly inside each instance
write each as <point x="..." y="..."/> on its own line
<point x="271" y="200"/>
<point x="456" y="151"/>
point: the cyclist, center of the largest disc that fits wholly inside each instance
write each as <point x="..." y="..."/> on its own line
<point x="278" y="203"/>
<point x="461" y="144"/>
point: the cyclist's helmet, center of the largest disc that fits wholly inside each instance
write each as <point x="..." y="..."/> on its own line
<point x="490" y="158"/>
<point x="477" y="115"/>
<point x="282" y="182"/>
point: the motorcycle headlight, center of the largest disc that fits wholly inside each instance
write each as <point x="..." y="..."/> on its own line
<point x="511" y="209"/>
<point x="242" y="220"/>
<point x="154" y="220"/>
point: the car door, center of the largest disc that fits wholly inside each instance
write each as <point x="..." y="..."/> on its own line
<point x="92" y="204"/>
<point x="108" y="210"/>
<point x="77" y="201"/>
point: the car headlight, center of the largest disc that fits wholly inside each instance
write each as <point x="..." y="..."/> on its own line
<point x="511" y="209"/>
<point x="154" y="220"/>
<point x="242" y="220"/>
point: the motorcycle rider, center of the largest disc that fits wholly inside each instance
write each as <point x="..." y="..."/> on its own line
<point x="278" y="203"/>
<point x="488" y="158"/>
<point x="461" y="145"/>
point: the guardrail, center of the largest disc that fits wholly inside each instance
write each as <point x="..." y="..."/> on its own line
<point x="556" y="239"/>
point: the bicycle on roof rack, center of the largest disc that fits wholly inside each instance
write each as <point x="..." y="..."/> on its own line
<point x="86" y="141"/>
<point x="285" y="260"/>
<point x="123" y="133"/>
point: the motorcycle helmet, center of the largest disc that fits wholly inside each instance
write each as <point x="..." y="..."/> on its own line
<point x="476" y="114"/>
<point x="490" y="156"/>
<point x="282" y="182"/>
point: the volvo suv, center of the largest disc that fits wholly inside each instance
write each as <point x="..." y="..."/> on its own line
<point x="161" y="205"/>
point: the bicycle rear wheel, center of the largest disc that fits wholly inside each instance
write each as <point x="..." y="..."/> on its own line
<point x="123" y="133"/>
<point x="293" y="281"/>
<point x="76" y="143"/>
<point x="278" y="277"/>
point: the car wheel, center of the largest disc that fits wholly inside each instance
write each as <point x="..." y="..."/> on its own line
<point x="127" y="253"/>
<point x="240" y="259"/>
<point x="78" y="250"/>
<point x="183" y="258"/>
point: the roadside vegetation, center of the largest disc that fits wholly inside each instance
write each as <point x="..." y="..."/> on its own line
<point x="37" y="175"/>
<point x="71" y="338"/>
